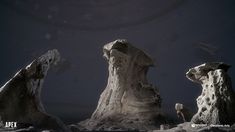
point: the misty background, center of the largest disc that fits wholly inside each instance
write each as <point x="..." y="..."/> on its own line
<point x="178" y="34"/>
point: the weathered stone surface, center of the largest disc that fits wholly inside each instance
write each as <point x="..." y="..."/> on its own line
<point x="216" y="104"/>
<point x="20" y="97"/>
<point x="128" y="102"/>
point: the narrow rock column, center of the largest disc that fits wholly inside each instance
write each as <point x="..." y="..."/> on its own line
<point x="128" y="96"/>
<point x="216" y="104"/>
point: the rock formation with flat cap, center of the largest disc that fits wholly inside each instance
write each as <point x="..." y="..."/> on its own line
<point x="216" y="104"/>
<point x="128" y="101"/>
<point x="20" y="97"/>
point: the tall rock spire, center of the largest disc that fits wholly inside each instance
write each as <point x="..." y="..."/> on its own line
<point x="128" y="101"/>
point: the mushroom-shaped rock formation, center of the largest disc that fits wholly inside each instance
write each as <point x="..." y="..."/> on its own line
<point x="20" y="97"/>
<point x="216" y="104"/>
<point x="128" y="101"/>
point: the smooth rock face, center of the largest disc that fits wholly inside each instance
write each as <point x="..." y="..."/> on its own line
<point x="216" y="104"/>
<point x="128" y="98"/>
<point x="20" y="97"/>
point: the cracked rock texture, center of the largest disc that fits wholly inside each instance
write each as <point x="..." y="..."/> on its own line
<point x="20" y="97"/>
<point x="128" y="102"/>
<point x="216" y="104"/>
